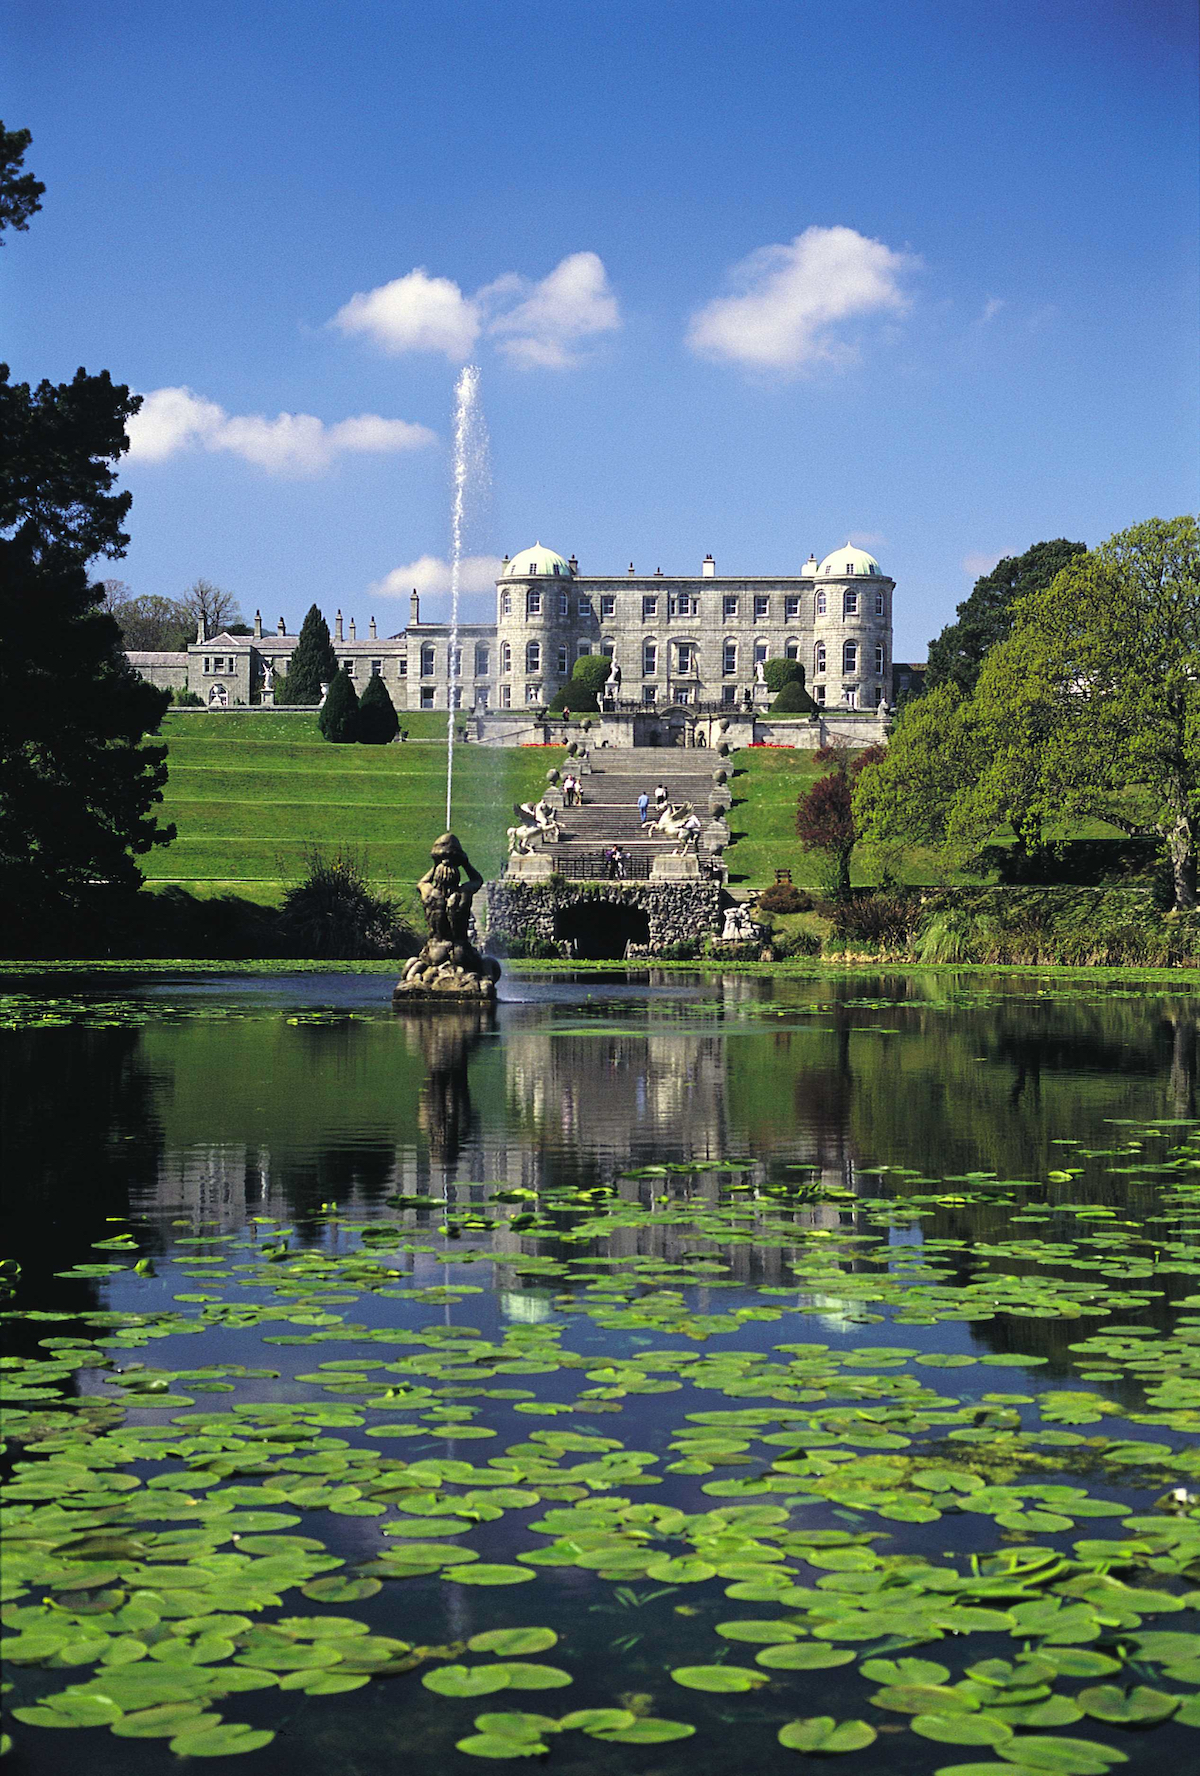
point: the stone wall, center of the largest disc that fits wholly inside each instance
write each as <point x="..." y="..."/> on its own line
<point x="677" y="912"/>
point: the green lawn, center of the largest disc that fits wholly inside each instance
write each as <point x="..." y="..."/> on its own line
<point x="251" y="795"/>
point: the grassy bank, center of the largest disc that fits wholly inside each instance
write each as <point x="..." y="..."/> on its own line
<point x="251" y="795"/>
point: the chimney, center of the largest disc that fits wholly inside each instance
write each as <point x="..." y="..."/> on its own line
<point x="353" y="636"/>
<point x="708" y="567"/>
<point x="573" y="565"/>
<point x="337" y="627"/>
<point x="373" y="636"/>
<point x="631" y="570"/>
<point x="200" y="635"/>
<point x="279" y="628"/>
<point x="414" y="607"/>
<point x="258" y="625"/>
<point x="658" y="573"/>
<point x="810" y="566"/>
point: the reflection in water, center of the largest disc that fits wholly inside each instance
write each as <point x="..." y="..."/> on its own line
<point x="447" y="1037"/>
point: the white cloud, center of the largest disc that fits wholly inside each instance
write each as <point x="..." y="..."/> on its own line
<point x="867" y="539"/>
<point x="537" y="325"/>
<point x="430" y="574"/>
<point x="791" y="299"/>
<point x="173" y="420"/>
<point x="992" y="307"/>
<point x="975" y="565"/>
<point x="573" y="304"/>
<point x="414" y="313"/>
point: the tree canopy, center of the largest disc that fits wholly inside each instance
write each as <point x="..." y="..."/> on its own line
<point x="987" y="615"/>
<point x="378" y="723"/>
<point x="825" y="816"/>
<point x="338" y="720"/>
<point x="1088" y="709"/>
<point x="20" y="193"/>
<point x="211" y="608"/>
<point x="585" y="684"/>
<point x="779" y="672"/>
<point x="314" y="662"/>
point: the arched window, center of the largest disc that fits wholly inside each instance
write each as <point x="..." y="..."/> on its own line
<point x="822" y="601"/>
<point x="533" y="604"/>
<point x="792" y="651"/>
<point x="427" y="667"/>
<point x="505" y="657"/>
<point x="879" y="659"/>
<point x="482" y="660"/>
<point x="533" y="656"/>
<point x="849" y="658"/>
<point x="729" y="657"/>
<point x="506" y="604"/>
<point x="819" y="661"/>
<point x="879" y="604"/>
<point x="649" y="658"/>
<point x="850" y="604"/>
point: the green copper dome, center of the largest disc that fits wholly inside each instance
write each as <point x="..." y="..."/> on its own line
<point x="849" y="560"/>
<point x="536" y="561"/>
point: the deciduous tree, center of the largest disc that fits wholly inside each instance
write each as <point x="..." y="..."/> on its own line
<point x="986" y="616"/>
<point x="211" y="608"/>
<point x="825" y="819"/>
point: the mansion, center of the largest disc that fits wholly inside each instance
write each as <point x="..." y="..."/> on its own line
<point x="674" y="640"/>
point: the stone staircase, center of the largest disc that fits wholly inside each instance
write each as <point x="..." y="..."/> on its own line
<point x="609" y="815"/>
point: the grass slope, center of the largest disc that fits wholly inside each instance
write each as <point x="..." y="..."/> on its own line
<point x="250" y="795"/>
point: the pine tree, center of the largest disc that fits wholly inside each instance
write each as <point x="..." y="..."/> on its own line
<point x="338" y="720"/>
<point x="378" y="723"/>
<point x="314" y="662"/>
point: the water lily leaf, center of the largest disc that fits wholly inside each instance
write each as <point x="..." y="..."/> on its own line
<point x="164" y="1722"/>
<point x="509" y="1641"/>
<point x="1137" y="1707"/>
<point x="486" y="1574"/>
<point x="807" y="1655"/>
<point x="500" y="1745"/>
<point x="646" y="1730"/>
<point x="521" y="1676"/>
<point x="821" y="1733"/>
<point x="1082" y="1661"/>
<point x="1071" y="1757"/>
<point x="925" y="1699"/>
<point x="685" y="1570"/>
<point x="961" y="1729"/>
<point x="340" y="1590"/>
<point x="720" y="1679"/>
<point x="588" y="1719"/>
<point x="466" y="1680"/>
<point x="904" y="1671"/>
<point x="762" y="1633"/>
<point x="222" y="1741"/>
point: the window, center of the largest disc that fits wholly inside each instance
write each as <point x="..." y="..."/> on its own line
<point x="349" y="668"/>
<point x="878" y="695"/>
<point x="684" y="605"/>
<point x="879" y="659"/>
<point x="850" y="604"/>
<point x="849" y="567"/>
<point x="376" y="668"/>
<point x="563" y="667"/>
<point x="533" y="693"/>
<point x="533" y="604"/>
<point x="879" y="604"/>
<point x="533" y="657"/>
<point x="851" y="696"/>
<point x="685" y="656"/>
<point x="608" y="606"/>
<point x="505" y="657"/>
<point x="683" y="694"/>
<point x="403" y="668"/>
<point x="506" y="696"/>
<point x="649" y="610"/>
<point x="456" y="665"/>
<point x="585" y="604"/>
<point x="649" y="694"/>
<point x="792" y="650"/>
<point x="822" y="603"/>
<point x="207" y="664"/>
<point x="426" y="659"/>
<point x="426" y="696"/>
<point x="455" y="696"/>
<point x="728" y="693"/>
<point x="849" y="658"/>
<point x="481" y="697"/>
<point x="585" y="647"/>
<point x="483" y="660"/>
<point x="791" y="608"/>
<point x="760" y="653"/>
<point x="607" y="646"/>
<point x="729" y="606"/>
<point x="821" y="695"/>
<point x="819" y="661"/>
<point x="506" y="604"/>
<point x="649" y="659"/>
<point x="762" y="607"/>
<point x="729" y="657"/>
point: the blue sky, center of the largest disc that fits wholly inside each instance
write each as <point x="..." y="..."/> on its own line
<point x="743" y="279"/>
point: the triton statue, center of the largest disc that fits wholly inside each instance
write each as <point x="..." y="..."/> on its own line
<point x="449" y="966"/>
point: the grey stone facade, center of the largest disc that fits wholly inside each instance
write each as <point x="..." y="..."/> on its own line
<point x="673" y="912"/>
<point x="679" y="641"/>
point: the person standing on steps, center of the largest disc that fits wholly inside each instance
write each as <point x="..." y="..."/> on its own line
<point x="661" y="798"/>
<point x="643" y="808"/>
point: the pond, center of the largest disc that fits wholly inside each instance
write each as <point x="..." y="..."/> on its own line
<point x="695" y="1372"/>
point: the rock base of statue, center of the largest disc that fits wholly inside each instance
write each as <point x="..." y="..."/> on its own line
<point x="448" y="969"/>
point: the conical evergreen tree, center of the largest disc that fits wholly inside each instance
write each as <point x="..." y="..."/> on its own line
<point x="314" y="662"/>
<point x="338" y="720"/>
<point x="378" y="723"/>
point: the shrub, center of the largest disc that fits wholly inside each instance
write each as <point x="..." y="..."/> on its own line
<point x="780" y="672"/>
<point x="334" y="913"/>
<point x="796" y="943"/>
<point x="338" y="720"/>
<point x="586" y="682"/>
<point x="793" y="699"/>
<point x="378" y="723"/>
<point x="781" y="897"/>
<point x="890" y="921"/>
<point x="187" y="700"/>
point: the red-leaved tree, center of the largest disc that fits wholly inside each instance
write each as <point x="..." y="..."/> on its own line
<point x="825" y="816"/>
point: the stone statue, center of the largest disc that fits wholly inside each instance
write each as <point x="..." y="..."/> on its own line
<point x="760" y="673"/>
<point x="612" y="684"/>
<point x="449" y="966"/>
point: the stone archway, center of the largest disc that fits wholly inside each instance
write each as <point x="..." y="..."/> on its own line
<point x="218" y="697"/>
<point x="598" y="930"/>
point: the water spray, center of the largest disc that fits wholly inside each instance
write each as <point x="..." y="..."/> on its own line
<point x="470" y="457"/>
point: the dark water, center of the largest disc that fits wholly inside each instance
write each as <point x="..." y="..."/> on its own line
<point x="1015" y="1150"/>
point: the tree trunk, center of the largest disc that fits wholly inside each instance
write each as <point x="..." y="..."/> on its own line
<point x="842" y="890"/>
<point x="1181" y="848"/>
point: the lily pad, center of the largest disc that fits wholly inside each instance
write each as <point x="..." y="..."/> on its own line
<point x="824" y="1735"/>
